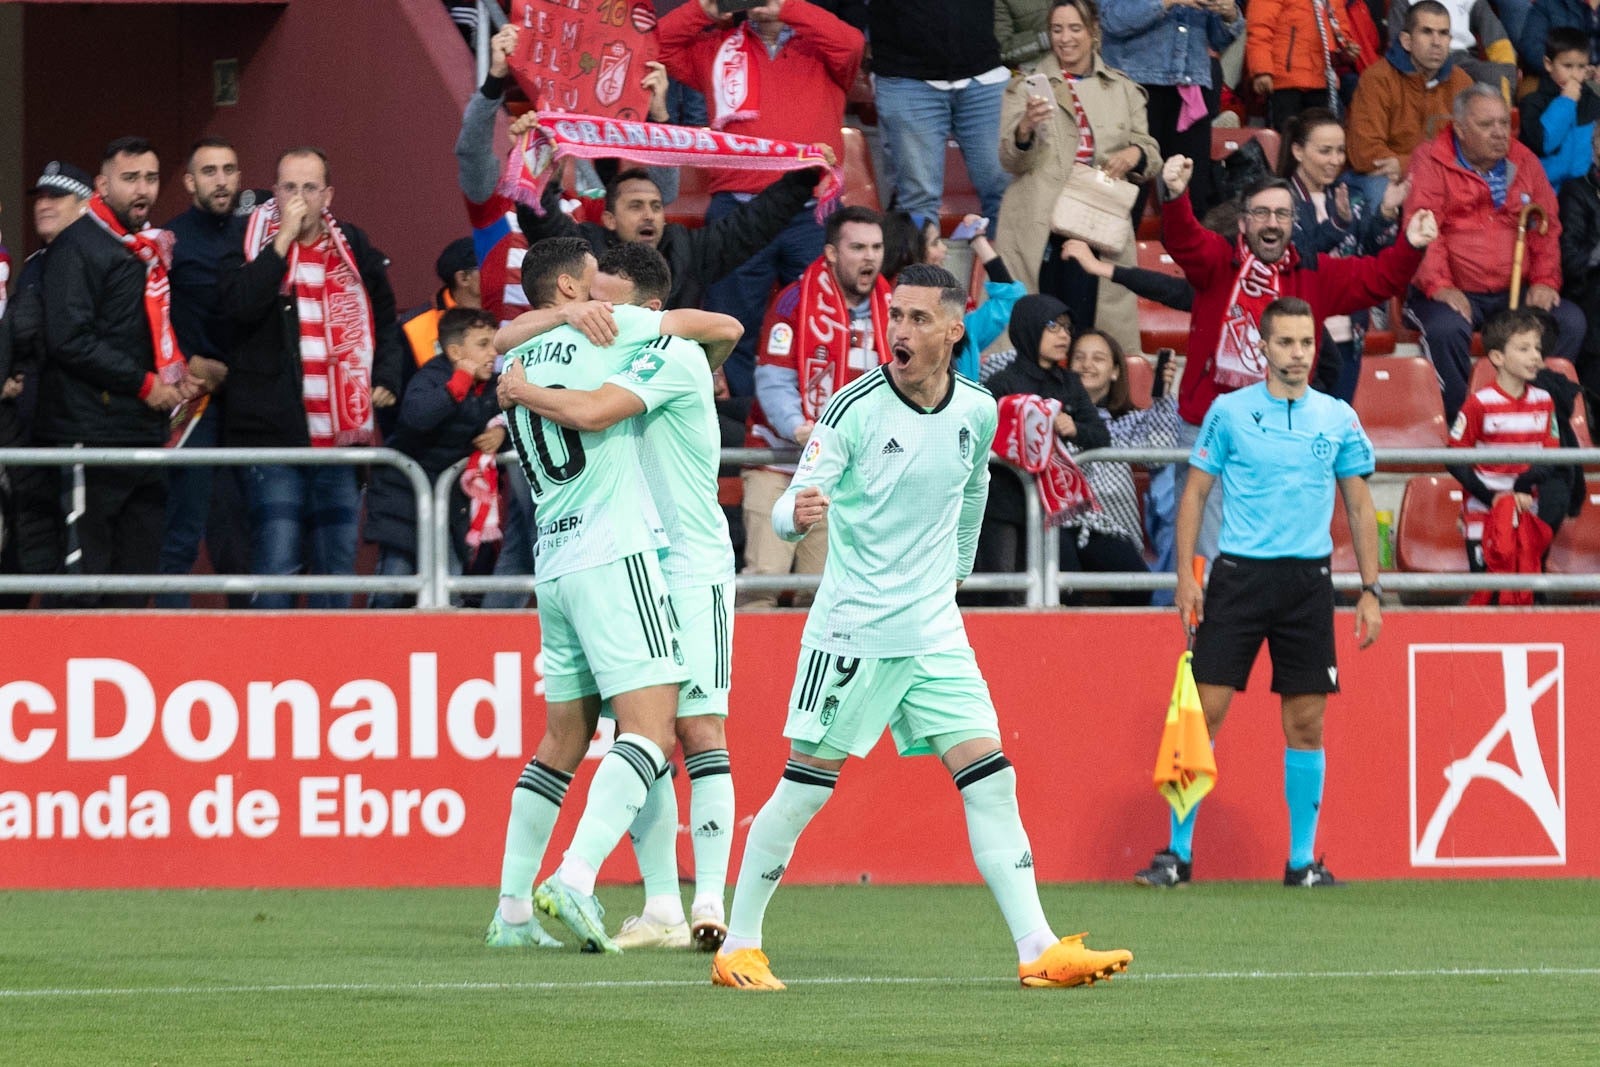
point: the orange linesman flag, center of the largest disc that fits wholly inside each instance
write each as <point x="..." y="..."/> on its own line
<point x="1186" y="768"/>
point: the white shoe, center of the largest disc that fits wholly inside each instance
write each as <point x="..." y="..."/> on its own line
<point x="642" y="931"/>
<point x="708" y="930"/>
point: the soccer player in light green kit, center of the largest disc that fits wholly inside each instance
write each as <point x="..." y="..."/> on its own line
<point x="667" y="384"/>
<point x="604" y="618"/>
<point x="899" y="465"/>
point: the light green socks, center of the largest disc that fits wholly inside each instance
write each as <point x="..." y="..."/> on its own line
<point x="801" y="792"/>
<point x="711" y="812"/>
<point x="616" y="796"/>
<point x="1001" y="850"/>
<point x="535" y="803"/>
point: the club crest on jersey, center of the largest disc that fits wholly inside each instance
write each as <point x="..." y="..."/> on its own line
<point x="643" y="367"/>
<point x="964" y="442"/>
<point x="830" y="708"/>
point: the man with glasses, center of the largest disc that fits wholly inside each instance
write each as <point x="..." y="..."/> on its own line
<point x="317" y="348"/>
<point x="1234" y="281"/>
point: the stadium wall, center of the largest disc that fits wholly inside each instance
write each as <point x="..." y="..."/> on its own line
<point x="379" y="749"/>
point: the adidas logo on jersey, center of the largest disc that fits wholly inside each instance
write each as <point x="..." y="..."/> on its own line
<point x="892" y="448"/>
<point x="695" y="694"/>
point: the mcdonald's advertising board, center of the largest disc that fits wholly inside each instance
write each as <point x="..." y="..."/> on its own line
<point x="380" y="749"/>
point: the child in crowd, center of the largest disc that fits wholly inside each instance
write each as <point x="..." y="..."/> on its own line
<point x="1510" y="412"/>
<point x="1558" y="118"/>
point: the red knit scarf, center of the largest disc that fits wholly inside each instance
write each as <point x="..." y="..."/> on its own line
<point x="347" y="323"/>
<point x="559" y="136"/>
<point x="735" y="83"/>
<point x="154" y="249"/>
<point x="822" y="342"/>
<point x="1240" y="361"/>
<point x="1026" y="436"/>
<point x="480" y="481"/>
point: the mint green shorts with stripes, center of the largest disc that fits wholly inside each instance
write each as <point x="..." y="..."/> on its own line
<point x="608" y="630"/>
<point x="703" y="615"/>
<point x="845" y="703"/>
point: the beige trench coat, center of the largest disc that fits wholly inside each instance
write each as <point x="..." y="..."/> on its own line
<point x="1115" y="107"/>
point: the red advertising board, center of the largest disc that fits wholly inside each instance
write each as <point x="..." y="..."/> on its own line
<point x="585" y="56"/>
<point x="381" y="749"/>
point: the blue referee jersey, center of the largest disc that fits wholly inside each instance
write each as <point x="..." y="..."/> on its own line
<point x="1279" y="462"/>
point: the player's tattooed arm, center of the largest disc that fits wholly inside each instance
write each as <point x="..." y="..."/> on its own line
<point x="717" y="334"/>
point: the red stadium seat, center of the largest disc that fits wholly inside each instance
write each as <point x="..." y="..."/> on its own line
<point x="1576" y="549"/>
<point x="1161" y="326"/>
<point x="1428" y="537"/>
<point x="1399" y="403"/>
<point x="860" y="183"/>
<point x="1225" y="142"/>
<point x="1141" y="376"/>
<point x="960" y="197"/>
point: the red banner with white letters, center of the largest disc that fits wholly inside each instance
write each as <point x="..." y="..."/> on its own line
<point x="585" y="56"/>
<point x="381" y="749"/>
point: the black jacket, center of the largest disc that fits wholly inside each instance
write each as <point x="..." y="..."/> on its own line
<point x="435" y="429"/>
<point x="98" y="350"/>
<point x="934" y="40"/>
<point x="1024" y="375"/>
<point x="265" y="404"/>
<point x="1580" y="264"/>
<point x="697" y="257"/>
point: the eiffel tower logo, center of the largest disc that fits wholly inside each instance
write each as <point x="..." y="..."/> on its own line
<point x="1527" y="781"/>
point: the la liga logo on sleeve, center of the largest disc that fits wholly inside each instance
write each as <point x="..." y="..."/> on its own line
<point x="813" y="450"/>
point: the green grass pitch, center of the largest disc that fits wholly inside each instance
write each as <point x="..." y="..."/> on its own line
<point x="1471" y="972"/>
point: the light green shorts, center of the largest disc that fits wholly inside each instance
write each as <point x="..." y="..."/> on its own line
<point x="845" y="704"/>
<point x="608" y="630"/>
<point x="703" y="615"/>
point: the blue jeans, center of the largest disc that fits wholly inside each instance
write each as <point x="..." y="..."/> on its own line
<point x="744" y="293"/>
<point x="189" y="510"/>
<point x="917" y="119"/>
<point x="516" y="547"/>
<point x="301" y="511"/>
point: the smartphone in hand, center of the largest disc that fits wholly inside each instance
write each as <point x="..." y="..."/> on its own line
<point x="1039" y="85"/>
<point x="964" y="232"/>
<point x="1158" y="388"/>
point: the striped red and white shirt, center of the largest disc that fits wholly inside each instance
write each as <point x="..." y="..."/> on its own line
<point x="310" y="279"/>
<point x="1493" y="418"/>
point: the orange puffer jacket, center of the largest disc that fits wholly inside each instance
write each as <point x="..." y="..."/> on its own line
<point x="1282" y="40"/>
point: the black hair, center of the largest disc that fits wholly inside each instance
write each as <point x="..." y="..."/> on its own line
<point x="1565" y="39"/>
<point x="208" y="142"/>
<point x="127" y="146"/>
<point x="837" y="221"/>
<point x="546" y="262"/>
<point x="1285" y="307"/>
<point x="1298" y="131"/>
<point x="632" y="174"/>
<point x="1423" y="7"/>
<point x="642" y="265"/>
<point x="307" y="150"/>
<point x="904" y="242"/>
<point x="454" y="324"/>
<point x="1264" y="184"/>
<point x="952" y="294"/>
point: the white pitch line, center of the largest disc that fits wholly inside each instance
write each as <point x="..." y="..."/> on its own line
<point x="861" y="980"/>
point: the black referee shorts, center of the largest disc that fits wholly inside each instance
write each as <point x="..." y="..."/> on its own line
<point x="1286" y="602"/>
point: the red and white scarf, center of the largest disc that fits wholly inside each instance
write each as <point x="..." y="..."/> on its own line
<point x="347" y="327"/>
<point x="822" y="342"/>
<point x="735" y="83"/>
<point x="559" y="135"/>
<point x="1026" y="436"/>
<point x="154" y="249"/>
<point x="481" y="482"/>
<point x="1240" y="360"/>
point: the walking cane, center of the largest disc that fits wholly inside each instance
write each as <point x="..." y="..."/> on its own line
<point x="1522" y="247"/>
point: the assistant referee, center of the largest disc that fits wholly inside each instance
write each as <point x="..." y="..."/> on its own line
<point x="1279" y="449"/>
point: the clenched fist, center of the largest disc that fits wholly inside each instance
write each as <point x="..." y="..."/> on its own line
<point x="1175" y="175"/>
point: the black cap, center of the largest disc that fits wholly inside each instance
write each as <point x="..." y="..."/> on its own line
<point x="458" y="255"/>
<point x="63" y="179"/>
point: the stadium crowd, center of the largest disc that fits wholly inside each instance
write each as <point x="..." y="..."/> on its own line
<point x="260" y="318"/>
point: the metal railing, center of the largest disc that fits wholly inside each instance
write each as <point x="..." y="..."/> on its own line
<point x="1040" y="581"/>
<point x="420" y="583"/>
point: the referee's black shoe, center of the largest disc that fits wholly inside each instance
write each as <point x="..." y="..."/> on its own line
<point x="1311" y="876"/>
<point x="1165" y="871"/>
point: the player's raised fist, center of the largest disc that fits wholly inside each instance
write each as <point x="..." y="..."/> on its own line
<point x="1175" y="175"/>
<point x="810" y="508"/>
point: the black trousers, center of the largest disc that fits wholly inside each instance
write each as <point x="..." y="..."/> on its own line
<point x="118" y="530"/>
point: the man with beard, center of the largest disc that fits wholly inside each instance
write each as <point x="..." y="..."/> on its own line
<point x="1234" y="281"/>
<point x="202" y="235"/>
<point x="902" y="454"/>
<point x="111" y="368"/>
<point x="821" y="333"/>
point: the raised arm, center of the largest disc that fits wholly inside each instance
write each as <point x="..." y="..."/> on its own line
<point x="716" y="333"/>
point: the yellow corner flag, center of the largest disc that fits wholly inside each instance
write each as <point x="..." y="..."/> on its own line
<point x="1186" y="768"/>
